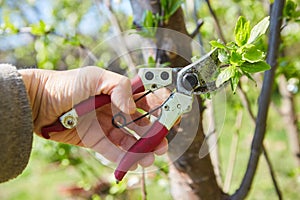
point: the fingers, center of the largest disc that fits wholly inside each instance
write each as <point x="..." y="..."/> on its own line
<point x="148" y="160"/>
<point x="114" y="154"/>
<point x="153" y="99"/>
<point x="121" y="97"/>
<point x="119" y="88"/>
<point x="114" y="144"/>
<point x="162" y="148"/>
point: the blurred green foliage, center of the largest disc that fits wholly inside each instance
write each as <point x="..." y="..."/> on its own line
<point x="65" y="34"/>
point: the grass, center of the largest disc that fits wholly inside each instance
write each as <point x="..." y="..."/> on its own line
<point x="276" y="143"/>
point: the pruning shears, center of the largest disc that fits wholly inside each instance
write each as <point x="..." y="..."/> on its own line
<point x="194" y="79"/>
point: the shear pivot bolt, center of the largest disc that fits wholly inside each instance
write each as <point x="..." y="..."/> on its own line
<point x="190" y="81"/>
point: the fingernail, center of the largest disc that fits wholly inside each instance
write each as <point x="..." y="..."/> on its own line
<point x="128" y="107"/>
<point x="131" y="106"/>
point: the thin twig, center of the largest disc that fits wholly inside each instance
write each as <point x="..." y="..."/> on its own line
<point x="278" y="191"/>
<point x="233" y="152"/>
<point x="219" y="30"/>
<point x="144" y="188"/>
<point x="264" y="100"/>
<point x="27" y="30"/>
<point x="199" y="23"/>
<point x="121" y="48"/>
<point x="245" y="101"/>
<point x="246" y="104"/>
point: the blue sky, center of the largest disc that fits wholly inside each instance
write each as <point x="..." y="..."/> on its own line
<point x="42" y="10"/>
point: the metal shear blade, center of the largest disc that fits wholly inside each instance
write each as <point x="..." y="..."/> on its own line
<point x="199" y="76"/>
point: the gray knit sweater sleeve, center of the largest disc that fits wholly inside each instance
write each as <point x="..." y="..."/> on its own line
<point x="15" y="124"/>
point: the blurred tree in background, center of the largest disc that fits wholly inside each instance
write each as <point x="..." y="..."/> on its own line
<point x="67" y="34"/>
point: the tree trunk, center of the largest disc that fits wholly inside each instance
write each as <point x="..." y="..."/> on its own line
<point x="190" y="176"/>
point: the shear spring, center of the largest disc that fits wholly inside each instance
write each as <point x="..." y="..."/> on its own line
<point x="123" y="118"/>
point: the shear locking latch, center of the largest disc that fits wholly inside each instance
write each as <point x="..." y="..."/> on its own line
<point x="174" y="107"/>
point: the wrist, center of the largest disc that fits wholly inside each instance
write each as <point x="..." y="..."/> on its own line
<point x="31" y="85"/>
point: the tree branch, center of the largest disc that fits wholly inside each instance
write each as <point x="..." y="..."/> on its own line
<point x="246" y="104"/>
<point x="122" y="48"/>
<point x="219" y="30"/>
<point x="278" y="191"/>
<point x="264" y="100"/>
<point x="199" y="23"/>
<point x="28" y="29"/>
<point x="233" y="151"/>
<point x="144" y="188"/>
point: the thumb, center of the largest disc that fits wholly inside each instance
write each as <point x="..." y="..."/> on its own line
<point x="121" y="96"/>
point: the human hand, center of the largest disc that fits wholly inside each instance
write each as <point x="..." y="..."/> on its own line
<point x="53" y="93"/>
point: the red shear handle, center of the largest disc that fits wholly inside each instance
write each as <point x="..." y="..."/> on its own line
<point x="152" y="138"/>
<point x="90" y="105"/>
<point x="103" y="99"/>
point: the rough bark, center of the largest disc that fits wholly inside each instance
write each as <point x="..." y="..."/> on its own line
<point x="191" y="176"/>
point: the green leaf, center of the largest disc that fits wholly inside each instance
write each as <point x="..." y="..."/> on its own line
<point x="170" y="7"/>
<point x="151" y="60"/>
<point x="217" y="44"/>
<point x="253" y="55"/>
<point x="231" y="46"/>
<point x="290" y="9"/>
<point x="259" y="29"/>
<point x="150" y="22"/>
<point x="175" y="4"/>
<point x="250" y="77"/>
<point x="8" y="25"/>
<point x="74" y="41"/>
<point x="235" y="80"/>
<point x="165" y="64"/>
<point x="223" y="56"/>
<point x="242" y="31"/>
<point x="164" y="4"/>
<point x="236" y="58"/>
<point x="39" y="29"/>
<point x="225" y="75"/>
<point x="148" y="19"/>
<point x="255" y="67"/>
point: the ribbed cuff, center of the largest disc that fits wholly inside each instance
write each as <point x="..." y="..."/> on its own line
<point x="16" y="129"/>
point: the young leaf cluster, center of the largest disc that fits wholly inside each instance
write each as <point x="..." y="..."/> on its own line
<point x="243" y="56"/>
<point x="290" y="11"/>
<point x="149" y="25"/>
<point x="169" y="7"/>
<point x="40" y="29"/>
<point x="150" y="21"/>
